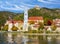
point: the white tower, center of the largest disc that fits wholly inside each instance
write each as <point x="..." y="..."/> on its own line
<point x="25" y="25"/>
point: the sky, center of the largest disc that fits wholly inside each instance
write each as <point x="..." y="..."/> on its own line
<point x="21" y="5"/>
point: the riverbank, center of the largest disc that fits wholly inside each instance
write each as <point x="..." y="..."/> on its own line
<point x="30" y="33"/>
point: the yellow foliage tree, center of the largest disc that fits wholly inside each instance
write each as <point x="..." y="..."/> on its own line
<point x="31" y="22"/>
<point x="14" y="28"/>
<point x="53" y="27"/>
<point x="5" y="28"/>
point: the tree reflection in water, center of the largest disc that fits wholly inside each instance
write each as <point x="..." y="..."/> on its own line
<point x="10" y="38"/>
<point x="17" y="38"/>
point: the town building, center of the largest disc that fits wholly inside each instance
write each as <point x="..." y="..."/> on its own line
<point x="33" y="22"/>
<point x="16" y="23"/>
<point x="57" y="23"/>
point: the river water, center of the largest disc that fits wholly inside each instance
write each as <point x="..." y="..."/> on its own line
<point x="17" y="38"/>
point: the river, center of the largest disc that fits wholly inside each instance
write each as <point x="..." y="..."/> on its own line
<point x="18" y="38"/>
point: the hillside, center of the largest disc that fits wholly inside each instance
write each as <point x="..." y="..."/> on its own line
<point x="45" y="12"/>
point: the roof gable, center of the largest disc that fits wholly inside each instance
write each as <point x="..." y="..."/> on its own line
<point x="35" y="18"/>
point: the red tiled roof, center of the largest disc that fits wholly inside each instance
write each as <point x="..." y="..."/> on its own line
<point x="15" y="21"/>
<point x="36" y="18"/>
<point x="57" y="21"/>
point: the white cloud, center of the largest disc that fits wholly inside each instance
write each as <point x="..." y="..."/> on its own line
<point x="26" y="4"/>
<point x="8" y="3"/>
<point x="44" y="1"/>
<point x="9" y="6"/>
<point x="16" y="7"/>
<point x="49" y="1"/>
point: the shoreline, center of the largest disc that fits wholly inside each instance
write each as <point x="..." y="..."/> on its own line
<point x="30" y="33"/>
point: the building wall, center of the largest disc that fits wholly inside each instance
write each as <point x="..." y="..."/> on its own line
<point x="10" y="25"/>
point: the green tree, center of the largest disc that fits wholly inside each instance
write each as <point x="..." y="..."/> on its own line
<point x="5" y="28"/>
<point x="48" y="21"/>
<point x="41" y="25"/>
<point x="19" y="17"/>
<point x="53" y="27"/>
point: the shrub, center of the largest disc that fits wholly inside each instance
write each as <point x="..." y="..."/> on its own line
<point x="53" y="27"/>
<point x="48" y="31"/>
<point x="5" y="28"/>
<point x="31" y="22"/>
<point x="34" y="31"/>
<point x="14" y="28"/>
<point x="41" y="26"/>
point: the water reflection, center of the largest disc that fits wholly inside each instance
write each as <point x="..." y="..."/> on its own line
<point x="17" y="38"/>
<point x="9" y="38"/>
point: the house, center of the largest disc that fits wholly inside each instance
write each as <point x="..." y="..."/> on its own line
<point x="48" y="28"/>
<point x="16" y="23"/>
<point x="37" y="7"/>
<point x="34" y="21"/>
<point x="57" y="22"/>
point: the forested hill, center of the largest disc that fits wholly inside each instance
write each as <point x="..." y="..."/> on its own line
<point x="45" y="12"/>
<point x="4" y="15"/>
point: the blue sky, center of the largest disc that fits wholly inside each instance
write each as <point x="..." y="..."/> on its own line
<point x="20" y="5"/>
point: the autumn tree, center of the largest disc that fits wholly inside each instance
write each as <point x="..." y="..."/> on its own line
<point x="14" y="28"/>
